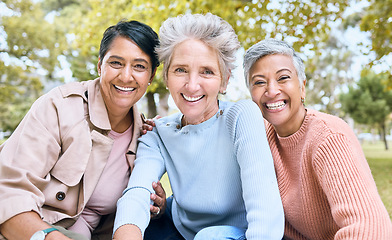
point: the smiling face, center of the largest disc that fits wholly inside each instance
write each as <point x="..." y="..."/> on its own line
<point x="275" y="87"/>
<point x="125" y="72"/>
<point x="194" y="80"/>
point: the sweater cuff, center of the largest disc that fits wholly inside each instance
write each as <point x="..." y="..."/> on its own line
<point x="133" y="208"/>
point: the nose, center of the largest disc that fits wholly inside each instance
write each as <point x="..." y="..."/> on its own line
<point x="272" y="89"/>
<point x="127" y="74"/>
<point x="192" y="83"/>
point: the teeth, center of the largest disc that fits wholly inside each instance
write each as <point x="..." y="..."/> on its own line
<point x="275" y="105"/>
<point x="125" y="89"/>
<point x="192" y="99"/>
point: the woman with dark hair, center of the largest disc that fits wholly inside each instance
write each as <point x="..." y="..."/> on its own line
<point x="67" y="163"/>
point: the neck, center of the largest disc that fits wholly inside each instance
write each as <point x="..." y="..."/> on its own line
<point x="293" y="126"/>
<point x="204" y="118"/>
<point x="121" y="122"/>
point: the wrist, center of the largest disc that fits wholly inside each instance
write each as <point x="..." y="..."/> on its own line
<point x="55" y="235"/>
<point x="42" y="234"/>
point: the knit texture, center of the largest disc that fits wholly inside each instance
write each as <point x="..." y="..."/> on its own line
<point x="325" y="183"/>
<point x="221" y="173"/>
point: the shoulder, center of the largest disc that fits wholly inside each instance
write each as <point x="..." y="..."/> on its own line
<point x="242" y="110"/>
<point x="329" y="134"/>
<point x="77" y="88"/>
<point x="172" y="119"/>
<point x="244" y="105"/>
<point x="328" y="124"/>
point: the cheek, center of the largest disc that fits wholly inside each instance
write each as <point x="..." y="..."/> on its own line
<point x="256" y="95"/>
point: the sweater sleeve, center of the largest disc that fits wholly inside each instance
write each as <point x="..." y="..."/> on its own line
<point x="346" y="180"/>
<point x="134" y="205"/>
<point x="26" y="158"/>
<point x="260" y="189"/>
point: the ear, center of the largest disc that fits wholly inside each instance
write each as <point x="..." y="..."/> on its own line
<point x="99" y="64"/>
<point x="223" y="86"/>
<point x="303" y="89"/>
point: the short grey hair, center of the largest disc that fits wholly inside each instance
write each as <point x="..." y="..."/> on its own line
<point x="270" y="47"/>
<point x="208" y="28"/>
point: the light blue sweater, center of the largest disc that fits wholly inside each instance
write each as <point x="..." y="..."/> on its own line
<point x="221" y="173"/>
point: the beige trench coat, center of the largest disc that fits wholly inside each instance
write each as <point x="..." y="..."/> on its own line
<point x="52" y="162"/>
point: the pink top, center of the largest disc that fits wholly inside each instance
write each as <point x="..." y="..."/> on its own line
<point x="110" y="186"/>
<point x="326" y="186"/>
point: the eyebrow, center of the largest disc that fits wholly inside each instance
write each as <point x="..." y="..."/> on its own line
<point x="136" y="59"/>
<point x="280" y="70"/>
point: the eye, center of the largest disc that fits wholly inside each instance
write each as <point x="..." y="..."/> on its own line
<point x="259" y="83"/>
<point x="140" y="67"/>
<point x="179" y="70"/>
<point x="283" y="78"/>
<point x="208" y="72"/>
<point x="115" y="64"/>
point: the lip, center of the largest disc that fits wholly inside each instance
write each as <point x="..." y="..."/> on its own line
<point x="192" y="99"/>
<point x="124" y="89"/>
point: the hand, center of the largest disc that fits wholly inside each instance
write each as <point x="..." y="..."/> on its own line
<point x="148" y="124"/>
<point x="25" y="224"/>
<point x="128" y="231"/>
<point x="159" y="198"/>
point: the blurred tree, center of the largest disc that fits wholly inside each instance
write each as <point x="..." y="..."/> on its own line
<point x="327" y="74"/>
<point x="28" y="58"/>
<point x="305" y="24"/>
<point x="375" y="19"/>
<point x="370" y="102"/>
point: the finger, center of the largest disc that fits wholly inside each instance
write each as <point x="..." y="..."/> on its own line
<point x="159" y="189"/>
<point x="150" y="122"/>
<point x="143" y="132"/>
<point x="147" y="127"/>
<point x="155" y="212"/>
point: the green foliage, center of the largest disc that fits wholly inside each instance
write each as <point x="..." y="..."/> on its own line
<point x="370" y="102"/>
<point x="377" y="21"/>
<point x="18" y="89"/>
<point x="32" y="45"/>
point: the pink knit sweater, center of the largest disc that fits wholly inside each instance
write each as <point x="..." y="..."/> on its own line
<point x="325" y="183"/>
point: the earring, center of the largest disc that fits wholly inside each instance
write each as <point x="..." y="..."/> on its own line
<point x="223" y="93"/>
<point x="303" y="100"/>
<point x="149" y="84"/>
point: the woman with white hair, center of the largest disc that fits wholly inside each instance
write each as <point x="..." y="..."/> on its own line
<point x="325" y="183"/>
<point x="215" y="153"/>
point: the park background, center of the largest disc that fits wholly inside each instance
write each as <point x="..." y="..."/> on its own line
<point x="346" y="46"/>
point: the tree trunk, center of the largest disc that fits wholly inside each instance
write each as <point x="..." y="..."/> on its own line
<point x="384" y="135"/>
<point x="152" y="107"/>
<point x="163" y="108"/>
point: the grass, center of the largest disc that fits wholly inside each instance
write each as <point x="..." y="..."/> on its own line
<point x="380" y="162"/>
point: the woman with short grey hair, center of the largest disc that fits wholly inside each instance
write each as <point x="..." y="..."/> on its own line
<point x="210" y="29"/>
<point x="325" y="182"/>
<point x="272" y="47"/>
<point x="215" y="153"/>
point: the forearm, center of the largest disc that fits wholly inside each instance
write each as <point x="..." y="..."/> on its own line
<point x="24" y="225"/>
<point x="128" y="232"/>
